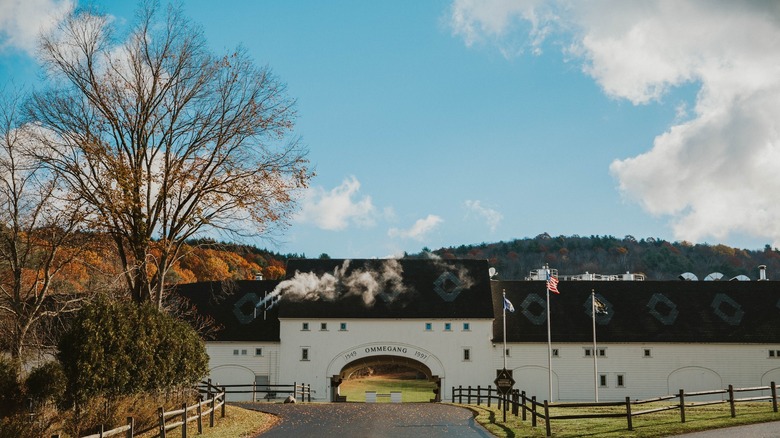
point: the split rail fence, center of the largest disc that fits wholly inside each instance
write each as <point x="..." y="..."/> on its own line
<point x="215" y="399"/>
<point x="524" y="406"/>
<point x="272" y="392"/>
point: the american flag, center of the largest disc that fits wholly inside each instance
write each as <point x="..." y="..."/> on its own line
<point x="552" y="283"/>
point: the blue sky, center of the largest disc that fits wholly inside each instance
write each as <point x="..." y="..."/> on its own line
<point x="440" y="123"/>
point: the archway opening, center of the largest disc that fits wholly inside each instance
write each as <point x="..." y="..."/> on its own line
<point x="386" y="379"/>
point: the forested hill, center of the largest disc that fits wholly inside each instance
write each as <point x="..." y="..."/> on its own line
<point x="655" y="258"/>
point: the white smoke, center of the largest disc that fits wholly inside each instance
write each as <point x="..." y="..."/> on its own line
<point x="460" y="271"/>
<point x="363" y="282"/>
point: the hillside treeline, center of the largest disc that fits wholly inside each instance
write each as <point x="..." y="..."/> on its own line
<point x="657" y="259"/>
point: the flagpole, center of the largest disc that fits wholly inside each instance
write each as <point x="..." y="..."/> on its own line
<point x="595" y="353"/>
<point x="503" y="306"/>
<point x="549" y="343"/>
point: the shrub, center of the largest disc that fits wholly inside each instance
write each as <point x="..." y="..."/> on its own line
<point x="120" y="348"/>
<point x="46" y="383"/>
<point x="9" y="388"/>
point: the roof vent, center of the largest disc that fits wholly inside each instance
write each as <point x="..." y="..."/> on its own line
<point x="762" y="273"/>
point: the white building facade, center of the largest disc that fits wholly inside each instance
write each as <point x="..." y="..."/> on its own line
<point x="445" y="319"/>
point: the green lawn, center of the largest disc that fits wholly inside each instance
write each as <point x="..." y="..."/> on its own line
<point x="412" y="390"/>
<point x="244" y="423"/>
<point x="651" y="425"/>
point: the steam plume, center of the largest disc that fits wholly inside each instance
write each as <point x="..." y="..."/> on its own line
<point x="364" y="282"/>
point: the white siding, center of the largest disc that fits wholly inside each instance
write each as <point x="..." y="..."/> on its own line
<point x="329" y="351"/>
<point x="227" y="368"/>
<point x="671" y="367"/>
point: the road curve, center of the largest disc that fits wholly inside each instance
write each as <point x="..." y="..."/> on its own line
<point x="375" y="420"/>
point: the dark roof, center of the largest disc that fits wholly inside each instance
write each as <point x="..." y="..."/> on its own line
<point x="231" y="305"/>
<point x="386" y="288"/>
<point x="642" y="311"/>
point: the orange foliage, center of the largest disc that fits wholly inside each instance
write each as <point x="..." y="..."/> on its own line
<point x="208" y="264"/>
<point x="273" y="272"/>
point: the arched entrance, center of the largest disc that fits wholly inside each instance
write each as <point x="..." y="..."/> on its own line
<point x="383" y="360"/>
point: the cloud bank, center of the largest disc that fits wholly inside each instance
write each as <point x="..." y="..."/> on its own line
<point x="491" y="217"/>
<point x="21" y="21"/>
<point x="419" y="231"/>
<point x="337" y="208"/>
<point x="713" y="174"/>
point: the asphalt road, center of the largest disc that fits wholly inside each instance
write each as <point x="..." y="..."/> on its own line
<point x="760" y="430"/>
<point x="371" y="420"/>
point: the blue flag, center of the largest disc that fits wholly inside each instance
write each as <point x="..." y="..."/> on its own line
<point x="508" y="305"/>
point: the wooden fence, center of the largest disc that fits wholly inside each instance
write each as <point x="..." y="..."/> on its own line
<point x="272" y="392"/>
<point x="522" y="405"/>
<point x="215" y="400"/>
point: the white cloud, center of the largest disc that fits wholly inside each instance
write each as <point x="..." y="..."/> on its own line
<point x="496" y="21"/>
<point x="716" y="171"/>
<point x="419" y="230"/>
<point x="338" y="208"/>
<point x="21" y="21"/>
<point x="492" y="217"/>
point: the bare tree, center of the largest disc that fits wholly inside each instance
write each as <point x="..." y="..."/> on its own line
<point x="39" y="238"/>
<point x="165" y="140"/>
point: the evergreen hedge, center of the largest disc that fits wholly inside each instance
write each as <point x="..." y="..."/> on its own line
<point x="118" y="348"/>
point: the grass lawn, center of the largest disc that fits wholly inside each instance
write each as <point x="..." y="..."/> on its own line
<point x="412" y="390"/>
<point x="238" y="423"/>
<point x="244" y="423"/>
<point x="657" y="424"/>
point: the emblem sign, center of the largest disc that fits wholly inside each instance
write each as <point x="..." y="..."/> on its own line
<point x="504" y="381"/>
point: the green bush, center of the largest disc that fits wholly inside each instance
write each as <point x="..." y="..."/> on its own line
<point x="120" y="348"/>
<point x="9" y="388"/>
<point x="46" y="383"/>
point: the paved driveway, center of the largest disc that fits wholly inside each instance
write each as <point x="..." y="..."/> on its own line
<point x="376" y="420"/>
<point x="761" y="430"/>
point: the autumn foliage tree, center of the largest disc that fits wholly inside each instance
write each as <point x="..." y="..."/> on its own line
<point x="40" y="242"/>
<point x="163" y="139"/>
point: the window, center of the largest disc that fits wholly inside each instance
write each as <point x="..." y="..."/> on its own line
<point x="235" y="352"/>
<point x="648" y="353"/>
<point x="466" y="354"/>
<point x="243" y="352"/>
<point x="466" y="326"/>
<point x="774" y="354"/>
<point x="258" y="351"/>
<point x="621" y="380"/>
<point x="304" y="353"/>
<point x="447" y="326"/>
<point x="603" y="380"/>
<point x="554" y="352"/>
<point x="588" y="351"/>
<point x="507" y="353"/>
<point x="428" y="326"/>
<point x="305" y="326"/>
<point x="771" y="353"/>
<point x="602" y="352"/>
<point x="324" y="326"/>
<point x="343" y="326"/>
